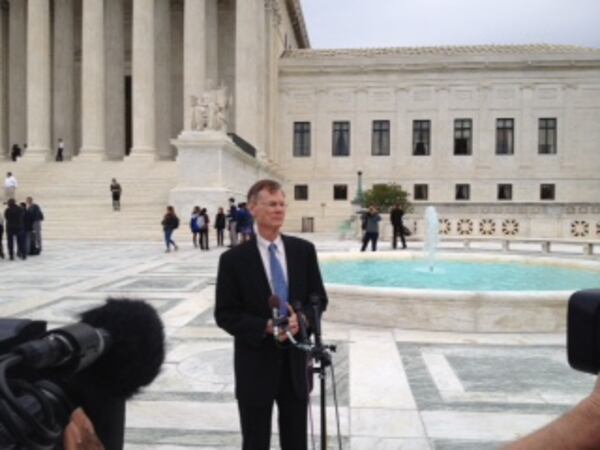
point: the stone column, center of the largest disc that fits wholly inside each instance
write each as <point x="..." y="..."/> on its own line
<point x="115" y="78"/>
<point x="212" y="43"/>
<point x="143" y="76"/>
<point x="163" y="79"/>
<point x="92" y="80"/>
<point x="194" y="55"/>
<point x="17" y="75"/>
<point x="246" y="69"/>
<point x="3" y="144"/>
<point x="63" y="81"/>
<point x="38" y="79"/>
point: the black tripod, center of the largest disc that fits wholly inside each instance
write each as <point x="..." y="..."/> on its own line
<point x="321" y="355"/>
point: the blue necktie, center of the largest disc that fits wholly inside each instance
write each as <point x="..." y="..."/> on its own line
<point x="280" y="287"/>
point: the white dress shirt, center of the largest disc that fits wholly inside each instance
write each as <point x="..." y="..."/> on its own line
<point x="263" y="248"/>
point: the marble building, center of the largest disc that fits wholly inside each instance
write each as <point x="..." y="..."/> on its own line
<point x="503" y="140"/>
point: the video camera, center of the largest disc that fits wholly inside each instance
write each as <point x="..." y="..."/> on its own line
<point x="583" y="331"/>
<point x="96" y="364"/>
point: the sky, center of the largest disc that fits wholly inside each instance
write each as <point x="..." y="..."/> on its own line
<point x="408" y="23"/>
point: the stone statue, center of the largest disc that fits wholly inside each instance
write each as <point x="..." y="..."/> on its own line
<point x="210" y="111"/>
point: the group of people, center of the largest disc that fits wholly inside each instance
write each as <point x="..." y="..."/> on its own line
<point x="238" y="221"/>
<point x="23" y="224"/>
<point x="370" y="227"/>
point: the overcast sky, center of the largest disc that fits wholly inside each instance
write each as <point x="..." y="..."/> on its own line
<point x="401" y="23"/>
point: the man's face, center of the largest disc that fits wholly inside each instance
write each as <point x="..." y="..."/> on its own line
<point x="269" y="209"/>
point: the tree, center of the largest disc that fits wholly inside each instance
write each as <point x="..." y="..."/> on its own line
<point x="385" y="196"/>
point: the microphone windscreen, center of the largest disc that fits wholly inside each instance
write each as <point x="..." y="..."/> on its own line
<point x="137" y="350"/>
<point x="274" y="302"/>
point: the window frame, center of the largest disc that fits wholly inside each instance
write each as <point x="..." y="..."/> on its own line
<point x="416" y="188"/>
<point x="380" y="138"/>
<point x="460" y="132"/>
<point x="502" y="129"/>
<point x="502" y="186"/>
<point x="552" y="187"/>
<point x="546" y="133"/>
<point x="301" y="147"/>
<point x="421" y="129"/>
<point x="338" y="129"/>
<point x="463" y="186"/>
<point x="298" y="189"/>
<point x="336" y="186"/>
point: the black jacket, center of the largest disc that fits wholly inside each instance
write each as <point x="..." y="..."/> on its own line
<point x="396" y="217"/>
<point x="14" y="219"/>
<point x="242" y="310"/>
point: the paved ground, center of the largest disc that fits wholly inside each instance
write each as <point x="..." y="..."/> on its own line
<point x="397" y="389"/>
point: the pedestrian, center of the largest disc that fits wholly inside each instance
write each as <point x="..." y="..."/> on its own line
<point x="170" y="223"/>
<point x="232" y="223"/>
<point x="15" y="152"/>
<point x="10" y="186"/>
<point x="267" y="368"/>
<point x="116" y="190"/>
<point x="28" y="219"/>
<point x="396" y="215"/>
<point x="38" y="217"/>
<point x="14" y="229"/>
<point x="204" y="230"/>
<point x="370" y="226"/>
<point x="60" y="150"/>
<point x="220" y="226"/>
<point x="1" y="234"/>
<point x="194" y="225"/>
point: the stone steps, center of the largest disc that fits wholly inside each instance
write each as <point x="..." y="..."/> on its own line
<point x="76" y="200"/>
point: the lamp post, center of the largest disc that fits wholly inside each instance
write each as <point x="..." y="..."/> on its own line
<point x="359" y="199"/>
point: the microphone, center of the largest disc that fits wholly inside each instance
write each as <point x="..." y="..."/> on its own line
<point x="118" y="347"/>
<point x="301" y="322"/>
<point x="274" y="305"/>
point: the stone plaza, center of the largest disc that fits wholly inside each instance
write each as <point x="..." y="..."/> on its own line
<point x="396" y="388"/>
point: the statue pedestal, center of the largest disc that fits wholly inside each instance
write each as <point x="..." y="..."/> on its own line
<point x="212" y="169"/>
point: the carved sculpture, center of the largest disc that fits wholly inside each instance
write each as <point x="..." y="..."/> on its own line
<point x="210" y="111"/>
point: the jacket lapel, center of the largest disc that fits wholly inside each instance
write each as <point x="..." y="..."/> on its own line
<point x="256" y="272"/>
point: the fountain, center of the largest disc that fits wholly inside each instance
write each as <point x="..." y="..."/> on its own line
<point x="432" y="234"/>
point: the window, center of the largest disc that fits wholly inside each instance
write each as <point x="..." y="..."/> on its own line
<point x="505" y="192"/>
<point x="462" y="192"/>
<point x="547" y="192"/>
<point x="380" y="141"/>
<point x="340" y="192"/>
<point x="420" y="192"/>
<point x="505" y="137"/>
<point x="547" y="136"/>
<point x="341" y="139"/>
<point x="421" y="131"/>
<point x="462" y="136"/>
<point x="301" y="138"/>
<point x="301" y="192"/>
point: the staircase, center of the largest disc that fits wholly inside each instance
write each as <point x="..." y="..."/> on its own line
<point x="76" y="200"/>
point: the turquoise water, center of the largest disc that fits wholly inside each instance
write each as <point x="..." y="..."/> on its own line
<point x="457" y="276"/>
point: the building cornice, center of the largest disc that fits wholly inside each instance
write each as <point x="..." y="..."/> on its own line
<point x="298" y="24"/>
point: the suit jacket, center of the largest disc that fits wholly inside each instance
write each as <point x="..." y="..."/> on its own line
<point x="242" y="309"/>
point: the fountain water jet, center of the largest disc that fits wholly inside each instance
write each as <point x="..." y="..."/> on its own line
<point x="431" y="235"/>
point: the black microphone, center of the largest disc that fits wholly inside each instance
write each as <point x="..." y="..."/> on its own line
<point x="301" y="321"/>
<point x="274" y="305"/>
<point x="118" y="346"/>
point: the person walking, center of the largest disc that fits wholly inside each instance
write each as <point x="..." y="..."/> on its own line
<point x="15" y="152"/>
<point x="170" y="223"/>
<point x="10" y="186"/>
<point x="396" y="215"/>
<point x="204" y="230"/>
<point x="194" y="226"/>
<point x="267" y="369"/>
<point x="28" y="219"/>
<point x="60" y="150"/>
<point x="116" y="190"/>
<point x="220" y="226"/>
<point x="371" y="226"/>
<point x="232" y="223"/>
<point x="14" y="229"/>
<point x="38" y="217"/>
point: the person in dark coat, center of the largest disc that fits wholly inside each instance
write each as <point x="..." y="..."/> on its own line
<point x="396" y="216"/>
<point x="115" y="191"/>
<point x="28" y="221"/>
<point x="220" y="226"/>
<point x="170" y="223"/>
<point x="267" y="369"/>
<point x="14" y="229"/>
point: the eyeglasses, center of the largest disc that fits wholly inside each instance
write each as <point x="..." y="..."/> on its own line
<point x="274" y="205"/>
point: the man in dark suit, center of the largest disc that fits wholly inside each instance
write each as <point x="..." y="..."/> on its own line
<point x="396" y="216"/>
<point x="267" y="368"/>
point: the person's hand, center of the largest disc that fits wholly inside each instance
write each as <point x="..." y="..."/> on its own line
<point x="80" y="433"/>
<point x="293" y="325"/>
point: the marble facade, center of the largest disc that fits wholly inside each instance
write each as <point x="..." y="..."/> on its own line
<point x="114" y="79"/>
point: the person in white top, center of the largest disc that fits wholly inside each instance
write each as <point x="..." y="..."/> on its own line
<point x="10" y="186"/>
